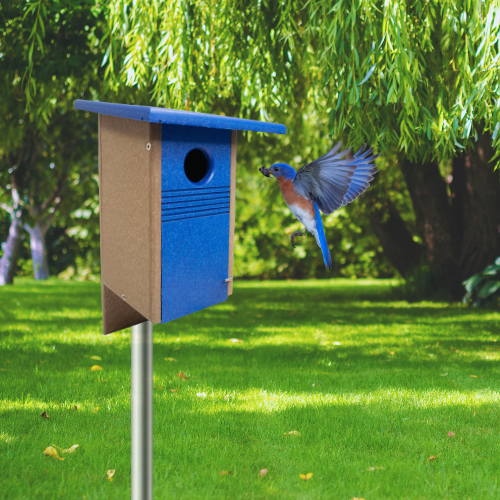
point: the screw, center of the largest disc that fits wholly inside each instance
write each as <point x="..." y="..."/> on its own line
<point x="123" y="296"/>
<point x="148" y="146"/>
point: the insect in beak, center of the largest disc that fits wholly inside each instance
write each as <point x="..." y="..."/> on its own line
<point x="264" y="171"/>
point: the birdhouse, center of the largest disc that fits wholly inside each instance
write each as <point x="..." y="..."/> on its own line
<point x="167" y="182"/>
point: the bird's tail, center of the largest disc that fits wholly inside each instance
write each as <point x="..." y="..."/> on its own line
<point x="321" y="238"/>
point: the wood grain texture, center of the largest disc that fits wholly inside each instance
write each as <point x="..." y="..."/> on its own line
<point x="232" y="213"/>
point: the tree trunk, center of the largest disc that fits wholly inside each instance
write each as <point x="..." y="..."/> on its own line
<point x="403" y="253"/>
<point x="8" y="262"/>
<point x="435" y="224"/>
<point x="38" y="251"/>
<point x="475" y="193"/>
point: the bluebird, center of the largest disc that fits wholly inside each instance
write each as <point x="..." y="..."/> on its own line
<point x="326" y="184"/>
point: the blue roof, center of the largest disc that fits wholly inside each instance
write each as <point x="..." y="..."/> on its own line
<point x="176" y="117"/>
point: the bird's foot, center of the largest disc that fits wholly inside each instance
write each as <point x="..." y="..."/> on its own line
<point x="294" y="234"/>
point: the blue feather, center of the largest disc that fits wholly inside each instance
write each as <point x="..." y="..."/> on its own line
<point x="322" y="238"/>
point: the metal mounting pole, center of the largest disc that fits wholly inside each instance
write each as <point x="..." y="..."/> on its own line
<point x="142" y="411"/>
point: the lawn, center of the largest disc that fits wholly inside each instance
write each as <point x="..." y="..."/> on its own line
<point x="372" y="385"/>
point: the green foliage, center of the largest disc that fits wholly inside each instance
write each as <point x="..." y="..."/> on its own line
<point x="484" y="288"/>
<point x="367" y="381"/>
<point x="50" y="56"/>
<point x="420" y="77"/>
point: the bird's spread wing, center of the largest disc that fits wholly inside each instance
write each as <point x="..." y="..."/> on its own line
<point x="333" y="181"/>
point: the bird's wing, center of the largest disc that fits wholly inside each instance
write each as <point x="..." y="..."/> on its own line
<point x="333" y="181"/>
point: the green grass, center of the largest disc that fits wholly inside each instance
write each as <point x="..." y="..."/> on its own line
<point x="369" y="382"/>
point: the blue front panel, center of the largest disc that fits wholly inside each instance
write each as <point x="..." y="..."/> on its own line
<point x="195" y="221"/>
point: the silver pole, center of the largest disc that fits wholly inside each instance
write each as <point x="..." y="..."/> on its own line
<point x="142" y="411"/>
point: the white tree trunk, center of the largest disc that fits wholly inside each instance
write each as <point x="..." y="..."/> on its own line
<point x="12" y="247"/>
<point x="38" y="251"/>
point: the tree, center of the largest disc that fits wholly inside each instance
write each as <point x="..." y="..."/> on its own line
<point x="420" y="81"/>
<point x="49" y="56"/>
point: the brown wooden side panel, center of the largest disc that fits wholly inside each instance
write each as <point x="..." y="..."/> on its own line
<point x="130" y="206"/>
<point x="232" y="211"/>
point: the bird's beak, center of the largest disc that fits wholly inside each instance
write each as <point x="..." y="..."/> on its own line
<point x="265" y="171"/>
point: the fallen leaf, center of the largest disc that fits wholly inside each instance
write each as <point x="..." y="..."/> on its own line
<point x="474" y="376"/>
<point x="376" y="468"/>
<point x="474" y="414"/>
<point x="235" y="341"/>
<point x="76" y="407"/>
<point x="357" y="498"/>
<point x="443" y="374"/>
<point x="103" y="380"/>
<point x="391" y="353"/>
<point x="293" y="312"/>
<point x="225" y="472"/>
<point x="96" y="409"/>
<point x="160" y="387"/>
<point x="51" y="452"/>
<point x="97" y="358"/>
<point x="176" y="348"/>
<point x="174" y="390"/>
<point x="201" y="394"/>
<point x="68" y="450"/>
<point x="291" y="433"/>
<point x="95" y="368"/>
<point x="169" y="359"/>
<point x="44" y="415"/>
<point x="182" y="376"/>
<point x="451" y="434"/>
<point x="263" y="472"/>
<point x="109" y="475"/>
<point x="433" y="457"/>
<point x="306" y="477"/>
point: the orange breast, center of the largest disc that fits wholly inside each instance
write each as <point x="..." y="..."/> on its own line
<point x="292" y="198"/>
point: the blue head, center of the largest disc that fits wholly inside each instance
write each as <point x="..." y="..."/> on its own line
<point x="279" y="170"/>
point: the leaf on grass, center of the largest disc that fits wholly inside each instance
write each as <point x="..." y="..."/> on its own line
<point x="169" y="359"/>
<point x="291" y="433"/>
<point x="44" y="415"/>
<point x="95" y="368"/>
<point x="357" y="498"/>
<point x="451" y="434"/>
<point x="235" y="341"/>
<point x="67" y="450"/>
<point x="306" y="477"/>
<point x="182" y="376"/>
<point x="391" y="353"/>
<point x="444" y="374"/>
<point x="263" y="472"/>
<point x="433" y="457"/>
<point x="97" y="358"/>
<point x="96" y="409"/>
<point x="109" y="474"/>
<point x="51" y="452"/>
<point x="293" y="312"/>
<point x="225" y="472"/>
<point x="474" y="376"/>
<point x="160" y="387"/>
<point x="76" y="407"/>
<point x="174" y="390"/>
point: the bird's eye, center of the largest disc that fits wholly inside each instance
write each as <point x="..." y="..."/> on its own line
<point x="275" y="169"/>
